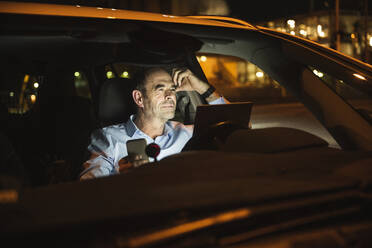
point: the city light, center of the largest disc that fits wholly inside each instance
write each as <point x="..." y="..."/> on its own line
<point x="33" y="98"/>
<point x="318" y="73"/>
<point x="353" y="36"/>
<point x="77" y="74"/>
<point x="271" y="24"/>
<point x="292" y="33"/>
<point x="11" y="94"/>
<point x="370" y="41"/>
<point x="359" y="76"/>
<point x="259" y="74"/>
<point x="26" y="78"/>
<point x="203" y="58"/>
<point x="125" y="74"/>
<point x="291" y="23"/>
<point x="109" y="74"/>
<point x="36" y="85"/>
<point x="320" y="31"/>
<point x="303" y="32"/>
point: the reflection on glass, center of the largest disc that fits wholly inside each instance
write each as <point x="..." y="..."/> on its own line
<point x="357" y="93"/>
<point x="359" y="76"/>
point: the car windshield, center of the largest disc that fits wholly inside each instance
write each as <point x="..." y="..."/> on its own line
<point x="357" y="93"/>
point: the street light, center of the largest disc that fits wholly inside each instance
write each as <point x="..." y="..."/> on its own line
<point x="291" y="23"/>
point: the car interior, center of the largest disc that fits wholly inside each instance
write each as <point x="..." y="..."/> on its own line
<point x="49" y="135"/>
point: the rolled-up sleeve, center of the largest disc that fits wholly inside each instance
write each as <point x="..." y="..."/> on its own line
<point x="102" y="161"/>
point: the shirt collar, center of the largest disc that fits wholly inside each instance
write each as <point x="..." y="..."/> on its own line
<point x="132" y="128"/>
<point x="167" y="128"/>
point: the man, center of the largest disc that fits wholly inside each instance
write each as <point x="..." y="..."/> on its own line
<point x="155" y="98"/>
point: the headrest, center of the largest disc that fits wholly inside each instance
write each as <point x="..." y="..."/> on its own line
<point x="115" y="101"/>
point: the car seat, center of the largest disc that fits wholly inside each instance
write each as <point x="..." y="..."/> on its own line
<point x="115" y="101"/>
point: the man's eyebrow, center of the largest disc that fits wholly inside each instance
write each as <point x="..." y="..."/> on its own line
<point x="160" y="85"/>
<point x="157" y="86"/>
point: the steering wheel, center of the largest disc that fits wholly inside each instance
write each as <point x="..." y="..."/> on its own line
<point x="215" y="136"/>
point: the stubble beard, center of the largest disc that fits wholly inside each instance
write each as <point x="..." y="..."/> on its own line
<point x="167" y="114"/>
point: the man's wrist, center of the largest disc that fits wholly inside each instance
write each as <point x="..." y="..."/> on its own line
<point x="208" y="92"/>
<point x="215" y="95"/>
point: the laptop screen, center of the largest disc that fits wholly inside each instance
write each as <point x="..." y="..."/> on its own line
<point x="207" y="115"/>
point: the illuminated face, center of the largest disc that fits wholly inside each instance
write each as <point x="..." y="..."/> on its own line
<point x="160" y="98"/>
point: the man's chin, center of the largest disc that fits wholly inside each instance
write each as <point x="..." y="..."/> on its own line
<point x="168" y="115"/>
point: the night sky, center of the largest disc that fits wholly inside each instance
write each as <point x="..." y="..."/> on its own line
<point x="264" y="10"/>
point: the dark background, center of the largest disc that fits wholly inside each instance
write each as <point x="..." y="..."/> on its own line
<point x="265" y="10"/>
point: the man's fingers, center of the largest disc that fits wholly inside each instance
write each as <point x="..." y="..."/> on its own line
<point x="176" y="78"/>
<point x="138" y="163"/>
<point x="179" y="75"/>
<point x="137" y="157"/>
<point x="124" y="164"/>
<point x="175" y="75"/>
<point x="130" y="162"/>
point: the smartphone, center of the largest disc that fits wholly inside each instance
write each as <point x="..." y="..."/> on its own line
<point x="137" y="147"/>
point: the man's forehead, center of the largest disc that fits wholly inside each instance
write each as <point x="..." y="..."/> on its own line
<point x="158" y="76"/>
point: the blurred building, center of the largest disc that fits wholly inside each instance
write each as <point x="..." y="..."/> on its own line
<point x="355" y="31"/>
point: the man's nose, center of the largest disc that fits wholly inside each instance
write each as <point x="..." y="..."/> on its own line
<point x="169" y="93"/>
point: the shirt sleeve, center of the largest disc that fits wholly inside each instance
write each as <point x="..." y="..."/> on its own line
<point x="102" y="161"/>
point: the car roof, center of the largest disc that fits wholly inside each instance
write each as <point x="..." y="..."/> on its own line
<point x="107" y="13"/>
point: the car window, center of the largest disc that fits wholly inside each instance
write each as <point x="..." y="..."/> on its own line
<point x="20" y="91"/>
<point x="355" y="93"/>
<point x="47" y="115"/>
<point x="240" y="80"/>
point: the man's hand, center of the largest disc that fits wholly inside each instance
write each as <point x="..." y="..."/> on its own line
<point x="185" y="80"/>
<point x="128" y="163"/>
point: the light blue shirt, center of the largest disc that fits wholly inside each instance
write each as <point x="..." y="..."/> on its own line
<point x="109" y="144"/>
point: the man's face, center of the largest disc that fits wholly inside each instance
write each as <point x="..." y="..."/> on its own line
<point x="160" y="98"/>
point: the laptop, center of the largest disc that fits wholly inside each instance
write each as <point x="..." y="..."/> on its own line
<point x="207" y="115"/>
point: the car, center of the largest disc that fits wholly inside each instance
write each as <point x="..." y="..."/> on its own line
<point x="63" y="74"/>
